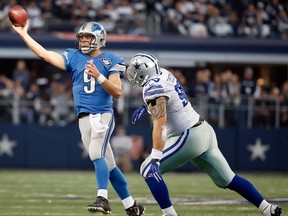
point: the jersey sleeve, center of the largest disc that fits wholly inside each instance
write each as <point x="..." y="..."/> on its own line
<point x="118" y="65"/>
<point x="67" y="58"/>
<point x="155" y="90"/>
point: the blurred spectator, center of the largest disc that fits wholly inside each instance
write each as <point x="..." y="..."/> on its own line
<point x="273" y="9"/>
<point x="283" y="24"/>
<point x="125" y="14"/>
<point x="248" y="84"/>
<point x="91" y="12"/>
<point x="218" y="25"/>
<point x="264" y="109"/>
<point x="234" y="89"/>
<point x="171" y="19"/>
<point x="248" y="25"/>
<point x="217" y="92"/>
<point x="177" y="73"/>
<point x="121" y="145"/>
<point x="233" y="100"/>
<point x="136" y="154"/>
<point x="249" y="90"/>
<point x="95" y="4"/>
<point x="262" y="21"/>
<point x="64" y="16"/>
<point x="43" y="109"/>
<point x="21" y="74"/>
<point x="185" y="7"/>
<point x="4" y="21"/>
<point x="27" y="109"/>
<point x="6" y="95"/>
<point x="198" y="28"/>
<point x="48" y="10"/>
<point x="284" y="105"/>
<point x="101" y="16"/>
<point x="36" y="20"/>
<point x="200" y="86"/>
<point x="139" y="27"/>
<point x="233" y="21"/>
<point x="62" y="112"/>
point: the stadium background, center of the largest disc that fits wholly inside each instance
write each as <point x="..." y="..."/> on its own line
<point x="55" y="144"/>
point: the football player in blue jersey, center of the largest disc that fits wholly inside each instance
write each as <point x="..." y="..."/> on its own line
<point x="180" y="135"/>
<point x="93" y="98"/>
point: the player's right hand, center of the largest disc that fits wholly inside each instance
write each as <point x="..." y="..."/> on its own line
<point x="138" y="114"/>
<point x="21" y="29"/>
<point x="154" y="171"/>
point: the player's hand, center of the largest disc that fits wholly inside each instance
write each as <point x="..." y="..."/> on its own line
<point x="154" y="171"/>
<point x="21" y="29"/>
<point x="138" y="114"/>
<point x="91" y="69"/>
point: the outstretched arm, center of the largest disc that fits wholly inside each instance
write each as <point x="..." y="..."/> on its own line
<point x="51" y="57"/>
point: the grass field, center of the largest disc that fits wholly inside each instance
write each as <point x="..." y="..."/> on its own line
<point x="61" y="193"/>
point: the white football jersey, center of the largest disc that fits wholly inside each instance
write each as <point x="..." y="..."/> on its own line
<point x="180" y="113"/>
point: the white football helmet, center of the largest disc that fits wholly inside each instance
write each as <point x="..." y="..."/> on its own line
<point x="142" y="67"/>
<point x="94" y="29"/>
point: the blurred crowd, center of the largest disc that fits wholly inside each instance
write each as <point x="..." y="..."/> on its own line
<point x="44" y="97"/>
<point x="193" y="18"/>
<point x="233" y="96"/>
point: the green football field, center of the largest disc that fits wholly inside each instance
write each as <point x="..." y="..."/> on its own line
<point x="61" y="193"/>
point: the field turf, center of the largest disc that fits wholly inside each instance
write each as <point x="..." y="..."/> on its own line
<point x="61" y="193"/>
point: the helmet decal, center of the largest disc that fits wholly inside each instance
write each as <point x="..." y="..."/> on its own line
<point x="137" y="66"/>
<point x="96" y="27"/>
<point x="152" y="58"/>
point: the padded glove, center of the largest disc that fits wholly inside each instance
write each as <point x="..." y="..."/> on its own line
<point x="154" y="171"/>
<point x="138" y="114"/>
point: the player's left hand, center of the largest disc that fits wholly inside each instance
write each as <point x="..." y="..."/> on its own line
<point x="154" y="171"/>
<point x="138" y="114"/>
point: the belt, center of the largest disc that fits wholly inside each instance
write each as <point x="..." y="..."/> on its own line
<point x="201" y="120"/>
<point x="83" y="114"/>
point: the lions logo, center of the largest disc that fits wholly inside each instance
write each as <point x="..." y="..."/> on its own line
<point x="106" y="62"/>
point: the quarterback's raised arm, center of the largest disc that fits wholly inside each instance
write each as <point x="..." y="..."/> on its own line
<point x="51" y="57"/>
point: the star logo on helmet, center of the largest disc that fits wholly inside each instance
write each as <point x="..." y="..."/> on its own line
<point x="137" y="66"/>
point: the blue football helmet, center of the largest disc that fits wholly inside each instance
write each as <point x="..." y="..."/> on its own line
<point x="142" y="67"/>
<point x="94" y="29"/>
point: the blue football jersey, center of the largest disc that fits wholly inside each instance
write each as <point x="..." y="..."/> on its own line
<point x="89" y="96"/>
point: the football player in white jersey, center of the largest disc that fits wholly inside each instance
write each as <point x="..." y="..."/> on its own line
<point x="180" y="135"/>
<point x="93" y="98"/>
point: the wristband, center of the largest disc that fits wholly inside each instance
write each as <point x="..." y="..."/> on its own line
<point x="156" y="154"/>
<point x="101" y="79"/>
